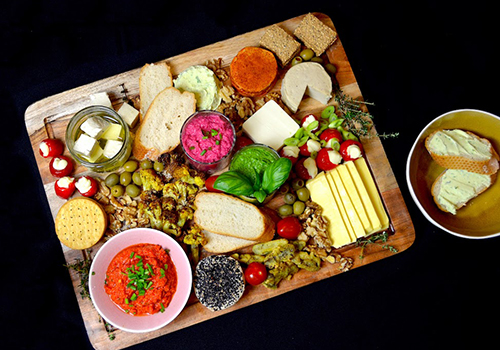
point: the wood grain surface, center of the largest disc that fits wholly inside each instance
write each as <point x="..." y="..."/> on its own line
<point x="49" y="117"/>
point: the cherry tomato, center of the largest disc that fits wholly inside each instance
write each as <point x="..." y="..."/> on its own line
<point x="51" y="148"/>
<point x="289" y="227"/>
<point x="328" y="159"/>
<point x="309" y="147"/>
<point x="65" y="187"/>
<point x="255" y="273"/>
<point x="306" y="168"/>
<point x="60" y="166"/>
<point x="87" y="186"/>
<point x="308" y="119"/>
<point x="242" y="141"/>
<point x="290" y="152"/>
<point x="209" y="184"/>
<point x="329" y="136"/>
<point x="351" y="150"/>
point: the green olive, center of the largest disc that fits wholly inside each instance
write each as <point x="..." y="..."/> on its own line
<point x="289" y="198"/>
<point x="130" y="166"/>
<point x="297" y="183"/>
<point x="117" y="190"/>
<point x="330" y="68"/>
<point x="303" y="194"/>
<point x="317" y="59"/>
<point x="296" y="60"/>
<point x="125" y="178"/>
<point x="285" y="210"/>
<point x="158" y="166"/>
<point x="146" y="164"/>
<point x="112" y="179"/>
<point x="306" y="54"/>
<point x="136" y="178"/>
<point x="132" y="190"/>
<point x="298" y="207"/>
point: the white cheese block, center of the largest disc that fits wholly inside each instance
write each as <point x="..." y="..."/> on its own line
<point x="129" y="114"/>
<point x="101" y="99"/>
<point x="111" y="148"/>
<point x="85" y="145"/>
<point x="308" y="78"/>
<point x="270" y="125"/>
<point x="94" y="126"/>
<point x="112" y="132"/>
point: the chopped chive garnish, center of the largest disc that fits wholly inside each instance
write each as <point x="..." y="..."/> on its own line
<point x="133" y="297"/>
<point x="162" y="307"/>
<point x="203" y="152"/>
<point x="192" y="147"/>
<point x="217" y="142"/>
<point x="214" y="132"/>
<point x="132" y="255"/>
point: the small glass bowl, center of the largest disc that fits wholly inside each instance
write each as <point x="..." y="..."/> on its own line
<point x="200" y="135"/>
<point x="246" y="150"/>
<point x="73" y="131"/>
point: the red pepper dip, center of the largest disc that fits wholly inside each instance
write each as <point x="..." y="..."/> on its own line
<point x="141" y="279"/>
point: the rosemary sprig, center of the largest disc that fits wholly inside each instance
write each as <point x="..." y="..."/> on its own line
<point x="378" y="239"/>
<point x="82" y="267"/>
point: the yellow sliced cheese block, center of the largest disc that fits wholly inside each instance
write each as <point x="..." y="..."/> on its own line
<point x="352" y="215"/>
<point x="321" y="193"/>
<point x="355" y="197"/>
<point x="369" y="183"/>
<point x="376" y="225"/>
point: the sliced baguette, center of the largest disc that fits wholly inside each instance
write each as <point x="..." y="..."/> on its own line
<point x="230" y="216"/>
<point x="153" y="79"/>
<point x="458" y="157"/>
<point x="455" y="188"/>
<point x="220" y="244"/>
<point x="160" y="129"/>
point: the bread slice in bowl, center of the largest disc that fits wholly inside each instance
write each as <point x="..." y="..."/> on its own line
<point x="455" y="188"/>
<point x="459" y="149"/>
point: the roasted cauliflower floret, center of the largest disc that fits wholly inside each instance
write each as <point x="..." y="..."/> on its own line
<point x="151" y="180"/>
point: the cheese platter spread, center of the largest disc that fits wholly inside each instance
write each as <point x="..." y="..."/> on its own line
<point x="243" y="152"/>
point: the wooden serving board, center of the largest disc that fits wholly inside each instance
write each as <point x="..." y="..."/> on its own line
<point x="49" y="117"/>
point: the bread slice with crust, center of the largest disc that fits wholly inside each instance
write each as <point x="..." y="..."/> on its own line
<point x="455" y="188"/>
<point x="459" y="149"/>
<point x="153" y="79"/>
<point x="220" y="244"/>
<point x="159" y="132"/>
<point x="230" y="216"/>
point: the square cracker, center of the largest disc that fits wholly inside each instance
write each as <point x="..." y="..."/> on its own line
<point x="282" y="44"/>
<point x="315" y="34"/>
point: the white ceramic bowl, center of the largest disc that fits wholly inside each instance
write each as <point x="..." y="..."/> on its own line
<point x="112" y="313"/>
<point x="479" y="219"/>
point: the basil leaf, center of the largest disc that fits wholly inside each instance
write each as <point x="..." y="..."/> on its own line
<point x="276" y="174"/>
<point x="235" y="183"/>
<point x="260" y="195"/>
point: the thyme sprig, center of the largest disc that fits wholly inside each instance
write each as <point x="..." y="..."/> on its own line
<point x="82" y="268"/>
<point x="355" y="113"/>
<point x="379" y="239"/>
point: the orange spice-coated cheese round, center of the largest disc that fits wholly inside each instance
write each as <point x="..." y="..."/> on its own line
<point x="253" y="71"/>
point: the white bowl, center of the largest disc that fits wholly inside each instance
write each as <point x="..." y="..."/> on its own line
<point x="109" y="310"/>
<point x="479" y="219"/>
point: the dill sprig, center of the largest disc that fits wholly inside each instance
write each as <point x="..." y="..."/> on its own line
<point x="379" y="239"/>
<point x="357" y="119"/>
<point x="82" y="268"/>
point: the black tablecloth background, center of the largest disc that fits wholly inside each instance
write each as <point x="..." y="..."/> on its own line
<point x="414" y="60"/>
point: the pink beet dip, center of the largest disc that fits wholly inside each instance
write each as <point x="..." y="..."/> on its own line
<point x="207" y="138"/>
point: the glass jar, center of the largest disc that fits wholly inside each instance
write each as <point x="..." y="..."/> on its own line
<point x="101" y="164"/>
<point x="207" y="139"/>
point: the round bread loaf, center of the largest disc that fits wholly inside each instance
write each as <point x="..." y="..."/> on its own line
<point x="218" y="282"/>
<point x="80" y="223"/>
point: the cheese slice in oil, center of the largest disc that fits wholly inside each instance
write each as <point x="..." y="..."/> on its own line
<point x="371" y="213"/>
<point x="369" y="183"/>
<point x="355" y="197"/>
<point x="321" y="193"/>
<point x="357" y="227"/>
